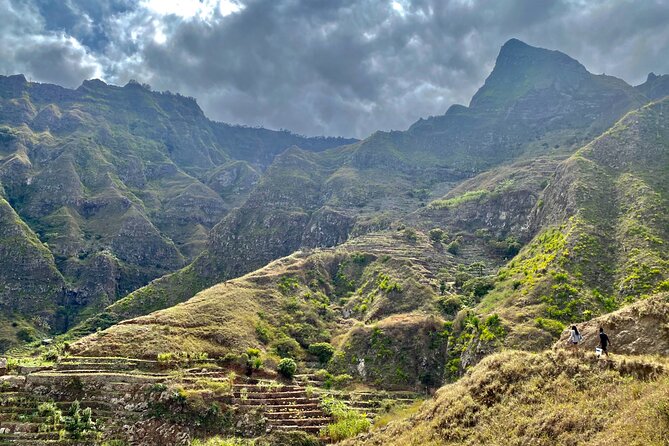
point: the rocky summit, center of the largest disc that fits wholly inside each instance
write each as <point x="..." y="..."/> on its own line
<point x="166" y="279"/>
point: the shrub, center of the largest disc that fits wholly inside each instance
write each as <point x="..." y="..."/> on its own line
<point x="50" y="355"/>
<point x="341" y="381"/>
<point x="165" y="358"/>
<point x="263" y="332"/>
<point x="287" y="367"/>
<point x="453" y="247"/>
<point x="552" y="326"/>
<point x="287" y="347"/>
<point x="387" y="284"/>
<point x="410" y="234"/>
<point x="436" y="235"/>
<point x="287" y="284"/>
<point x="322" y="350"/>
<point x="461" y="277"/>
<point x="322" y="375"/>
<point x="478" y="286"/>
<point x="53" y="417"/>
<point x="450" y="305"/>
<point x="253" y="352"/>
<point x="26" y="335"/>
<point x="79" y="422"/>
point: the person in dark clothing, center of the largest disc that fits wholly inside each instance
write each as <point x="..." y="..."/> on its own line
<point x="604" y="341"/>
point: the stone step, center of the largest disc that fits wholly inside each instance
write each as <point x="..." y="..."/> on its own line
<point x="110" y="367"/>
<point x="48" y="378"/>
<point x="265" y="388"/>
<point x="93" y="371"/>
<point x="309" y="429"/>
<point x="93" y="404"/>
<point x="29" y="436"/>
<point x="284" y="407"/>
<point x="272" y="395"/>
<point x="20" y="426"/>
<point x="294" y="414"/>
<point x="109" y="359"/>
<point x="275" y="401"/>
<point x="11" y="417"/>
<point x="21" y="410"/>
<point x="302" y="422"/>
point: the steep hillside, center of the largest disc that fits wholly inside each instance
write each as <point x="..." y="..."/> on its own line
<point x="121" y="184"/>
<point x="601" y="229"/>
<point x="320" y="199"/>
<point x="551" y="398"/>
<point x="640" y="328"/>
<point x="380" y="299"/>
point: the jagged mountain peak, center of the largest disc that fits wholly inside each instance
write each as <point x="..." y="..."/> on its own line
<point x="520" y="68"/>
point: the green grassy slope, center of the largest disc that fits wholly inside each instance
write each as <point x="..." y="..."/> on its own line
<point x="602" y="229"/>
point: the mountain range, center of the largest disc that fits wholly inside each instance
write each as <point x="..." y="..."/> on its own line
<point x="133" y="226"/>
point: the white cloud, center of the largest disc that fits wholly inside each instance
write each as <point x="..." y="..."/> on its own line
<point x="189" y="9"/>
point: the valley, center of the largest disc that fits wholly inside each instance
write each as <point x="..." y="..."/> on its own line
<point x="168" y="279"/>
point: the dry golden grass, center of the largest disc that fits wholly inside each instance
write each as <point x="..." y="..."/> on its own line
<point x="551" y="398"/>
<point x="216" y="321"/>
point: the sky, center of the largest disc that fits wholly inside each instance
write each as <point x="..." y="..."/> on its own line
<point x="321" y="67"/>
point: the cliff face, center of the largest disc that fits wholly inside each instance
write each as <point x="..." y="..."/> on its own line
<point x="120" y="185"/>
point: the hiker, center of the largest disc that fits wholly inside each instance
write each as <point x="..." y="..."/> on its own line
<point x="604" y="341"/>
<point x="575" y="337"/>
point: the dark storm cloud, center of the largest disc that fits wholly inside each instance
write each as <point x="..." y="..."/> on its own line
<point x="345" y="67"/>
<point x="26" y="46"/>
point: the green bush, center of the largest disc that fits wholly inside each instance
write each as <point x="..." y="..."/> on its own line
<point x="453" y="247"/>
<point x="287" y="284"/>
<point x="478" y="286"/>
<point x="26" y="335"/>
<point x="322" y="350"/>
<point x="287" y="347"/>
<point x="253" y="352"/>
<point x="53" y="417"/>
<point x="322" y="375"/>
<point x="550" y="325"/>
<point x="450" y="305"/>
<point x="165" y="358"/>
<point x="287" y="367"/>
<point x="341" y="381"/>
<point x="436" y="235"/>
<point x="79" y="422"/>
